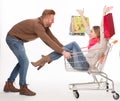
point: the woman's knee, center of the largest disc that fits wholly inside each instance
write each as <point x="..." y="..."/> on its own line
<point x="75" y="43"/>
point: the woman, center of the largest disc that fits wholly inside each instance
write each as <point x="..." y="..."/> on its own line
<point x="96" y="47"/>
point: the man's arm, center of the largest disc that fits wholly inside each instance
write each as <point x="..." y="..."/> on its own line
<point x="53" y="37"/>
<point x="48" y="41"/>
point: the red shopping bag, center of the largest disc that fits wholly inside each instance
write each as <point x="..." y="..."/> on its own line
<point x="108" y="22"/>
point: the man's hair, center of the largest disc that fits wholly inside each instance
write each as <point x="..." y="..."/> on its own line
<point x="47" y="12"/>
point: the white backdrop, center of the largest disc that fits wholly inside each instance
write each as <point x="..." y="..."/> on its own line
<point x="13" y="11"/>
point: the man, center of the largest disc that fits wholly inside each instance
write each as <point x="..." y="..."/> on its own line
<point x="26" y="31"/>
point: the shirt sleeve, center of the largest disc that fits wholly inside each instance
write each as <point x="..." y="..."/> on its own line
<point x="53" y="37"/>
<point x="87" y="30"/>
<point x="41" y="32"/>
<point x="103" y="41"/>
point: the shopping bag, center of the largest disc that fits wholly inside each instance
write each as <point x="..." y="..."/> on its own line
<point x="76" y="25"/>
<point x="108" y="23"/>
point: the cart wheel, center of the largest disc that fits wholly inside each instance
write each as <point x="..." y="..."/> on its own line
<point x="107" y="87"/>
<point x="75" y="93"/>
<point x="116" y="96"/>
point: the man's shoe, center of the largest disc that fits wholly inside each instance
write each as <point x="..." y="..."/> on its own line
<point x="10" y="88"/>
<point x="25" y="91"/>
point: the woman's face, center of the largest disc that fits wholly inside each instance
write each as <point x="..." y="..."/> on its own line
<point x="92" y="34"/>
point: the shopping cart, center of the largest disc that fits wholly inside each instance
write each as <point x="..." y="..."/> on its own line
<point x="100" y="79"/>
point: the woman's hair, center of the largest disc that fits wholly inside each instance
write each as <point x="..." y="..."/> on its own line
<point x="97" y="30"/>
<point x="47" y="12"/>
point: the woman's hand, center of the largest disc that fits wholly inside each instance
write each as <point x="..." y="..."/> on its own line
<point x="106" y="9"/>
<point x="80" y="11"/>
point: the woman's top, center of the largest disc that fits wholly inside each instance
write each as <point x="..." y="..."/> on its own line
<point x="92" y="42"/>
<point x="94" y="51"/>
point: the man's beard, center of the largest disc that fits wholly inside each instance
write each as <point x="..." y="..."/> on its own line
<point x="49" y="25"/>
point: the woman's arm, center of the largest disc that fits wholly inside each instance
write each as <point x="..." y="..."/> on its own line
<point x="86" y="25"/>
<point x="105" y="11"/>
<point x="81" y="12"/>
<point x="103" y="41"/>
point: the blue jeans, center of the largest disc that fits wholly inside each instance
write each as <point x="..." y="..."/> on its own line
<point x="78" y="61"/>
<point x="21" y="67"/>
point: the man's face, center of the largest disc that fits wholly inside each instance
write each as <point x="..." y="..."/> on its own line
<point x="48" y="20"/>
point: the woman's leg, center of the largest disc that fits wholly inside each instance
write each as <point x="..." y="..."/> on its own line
<point x="49" y="58"/>
<point x="72" y="47"/>
<point x="78" y="60"/>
